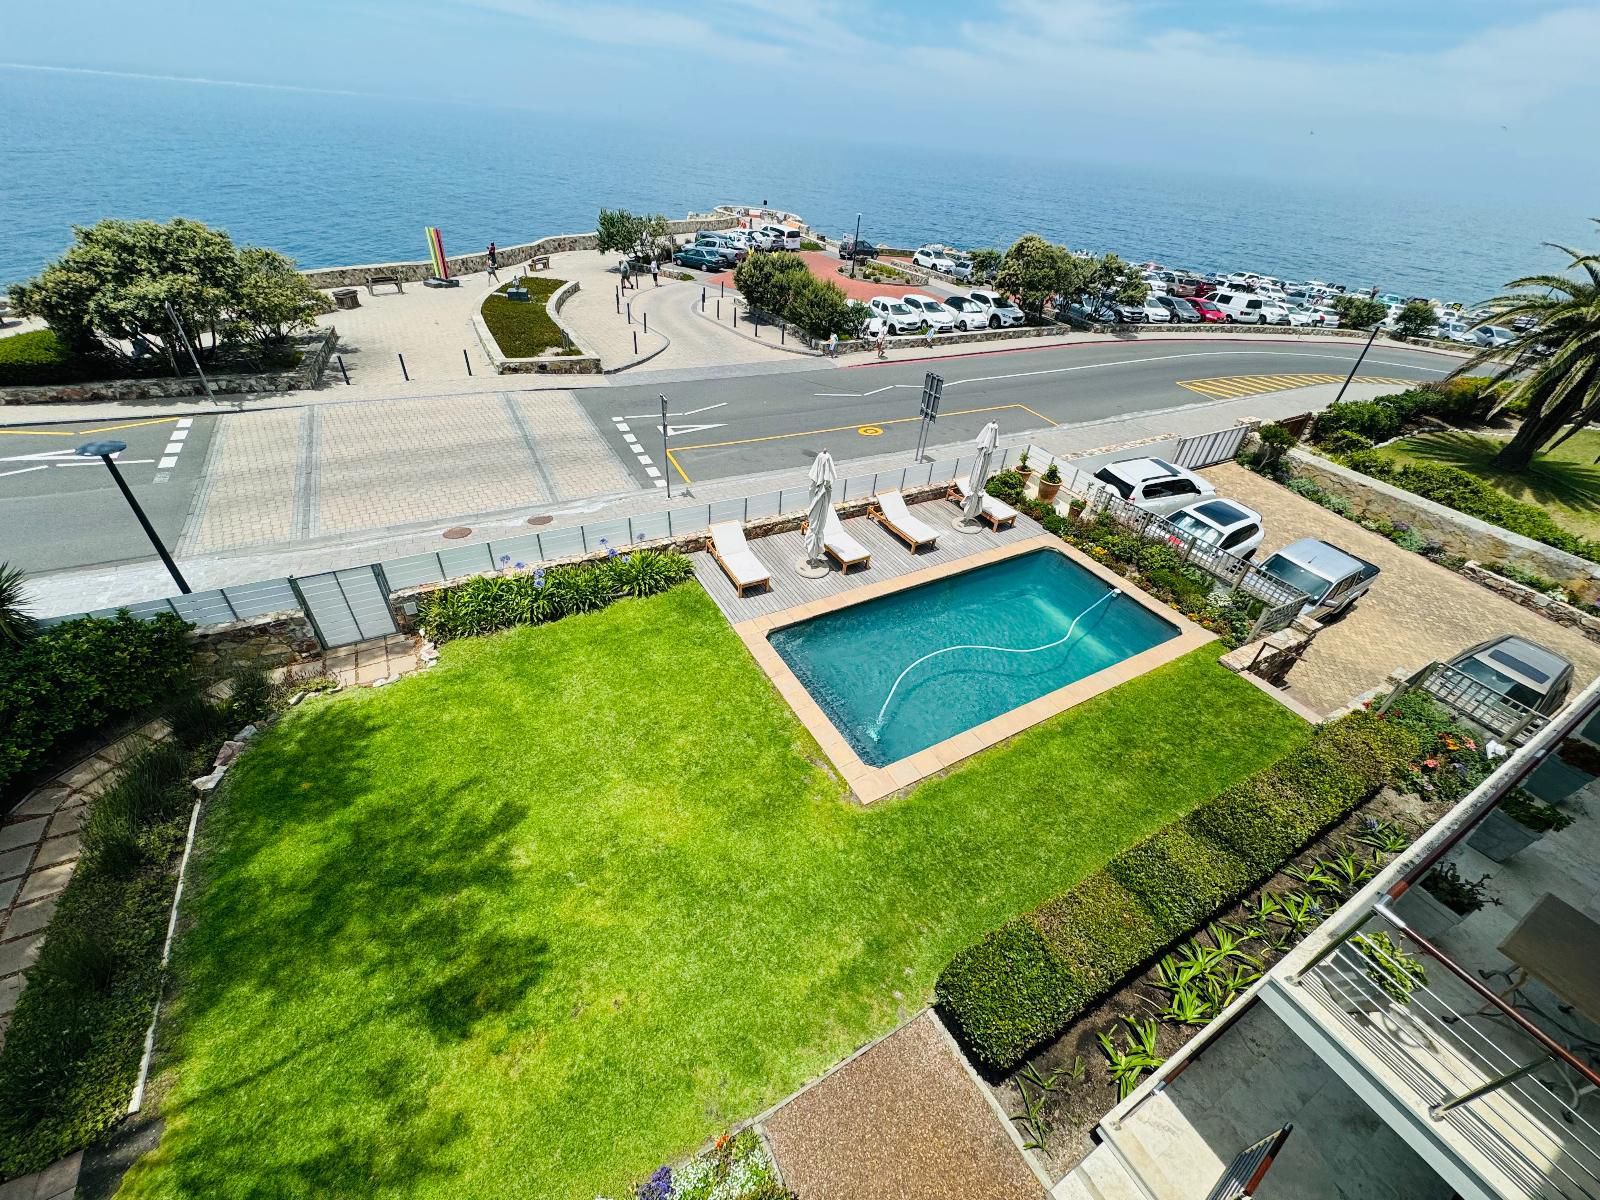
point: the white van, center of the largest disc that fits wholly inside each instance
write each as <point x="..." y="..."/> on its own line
<point x="1249" y="309"/>
<point x="780" y="238"/>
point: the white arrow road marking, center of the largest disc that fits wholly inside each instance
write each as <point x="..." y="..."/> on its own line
<point x="675" y="430"/>
<point x="25" y="470"/>
<point x="888" y="387"/>
<point x="693" y="412"/>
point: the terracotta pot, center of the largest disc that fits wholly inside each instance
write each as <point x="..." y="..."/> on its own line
<point x="1048" y="490"/>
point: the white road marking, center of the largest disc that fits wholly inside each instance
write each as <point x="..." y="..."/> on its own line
<point x="675" y="430"/>
<point x="691" y="413"/>
<point x="858" y="395"/>
<point x="630" y="439"/>
<point x="25" y="470"/>
<point x="645" y="460"/>
<point x="121" y="462"/>
<point x="652" y="472"/>
<point x="622" y="426"/>
<point x="166" y="464"/>
<point x="185" y="422"/>
<point x="173" y="447"/>
<point x="661" y="483"/>
<point x="179" y="434"/>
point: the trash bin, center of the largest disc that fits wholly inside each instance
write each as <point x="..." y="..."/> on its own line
<point x="346" y="298"/>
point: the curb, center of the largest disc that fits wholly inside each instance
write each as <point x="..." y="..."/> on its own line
<point x="779" y="345"/>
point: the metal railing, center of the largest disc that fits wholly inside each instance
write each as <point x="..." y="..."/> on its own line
<point x="1508" y="1087"/>
<point x="1497" y="715"/>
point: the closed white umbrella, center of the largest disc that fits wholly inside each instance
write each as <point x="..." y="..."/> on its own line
<point x="820" y="505"/>
<point x="987" y="442"/>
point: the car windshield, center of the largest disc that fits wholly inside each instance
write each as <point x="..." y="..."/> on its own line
<point x="1195" y="527"/>
<point x="1508" y="687"/>
<point x="1295" y="575"/>
<point x="1123" y="488"/>
<point x="899" y="310"/>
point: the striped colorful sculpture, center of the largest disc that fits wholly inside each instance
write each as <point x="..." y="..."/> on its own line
<point x="441" y="268"/>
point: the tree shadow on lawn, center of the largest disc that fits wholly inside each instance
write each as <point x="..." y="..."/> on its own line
<point x="1550" y="481"/>
<point x="321" y="887"/>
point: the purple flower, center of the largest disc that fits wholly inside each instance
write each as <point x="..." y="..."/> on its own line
<point x="505" y="558"/>
<point x="519" y="566"/>
<point x="658" y="1187"/>
<point x="538" y="578"/>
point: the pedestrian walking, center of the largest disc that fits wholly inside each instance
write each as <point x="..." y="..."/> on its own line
<point x="625" y="273"/>
<point x="655" y="272"/>
<point x="494" y="260"/>
<point x="883" y="342"/>
<point x="833" y="345"/>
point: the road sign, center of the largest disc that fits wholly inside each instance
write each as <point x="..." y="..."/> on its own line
<point x="932" y="391"/>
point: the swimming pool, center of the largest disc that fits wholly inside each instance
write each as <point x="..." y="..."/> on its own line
<point x="849" y="660"/>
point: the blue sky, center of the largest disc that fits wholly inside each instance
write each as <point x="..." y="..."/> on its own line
<point x="1500" y="98"/>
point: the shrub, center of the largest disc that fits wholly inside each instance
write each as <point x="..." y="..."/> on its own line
<point x="74" y="677"/>
<point x="1026" y="980"/>
<point x="488" y="603"/>
<point x="38" y="357"/>
<point x="1415" y="319"/>
<point x="1346" y="441"/>
<point x="1369" y="418"/>
<point x="251" y="698"/>
<point x="1455" y="488"/>
<point x="524" y="329"/>
<point x="1006" y="486"/>
<point x="16" y="626"/>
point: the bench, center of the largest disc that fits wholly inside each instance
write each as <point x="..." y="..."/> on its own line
<point x="376" y="280"/>
<point x="539" y="262"/>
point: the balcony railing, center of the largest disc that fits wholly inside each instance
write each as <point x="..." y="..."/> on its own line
<point x="1498" y="715"/>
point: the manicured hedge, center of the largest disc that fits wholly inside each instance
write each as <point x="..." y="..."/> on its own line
<point x="1462" y="401"/>
<point x="1030" y="978"/>
<point x="36" y="357"/>
<point x="74" y="677"/>
<point x="1455" y="488"/>
<point x="487" y="603"/>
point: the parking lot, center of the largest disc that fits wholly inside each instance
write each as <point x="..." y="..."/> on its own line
<point x="1416" y="612"/>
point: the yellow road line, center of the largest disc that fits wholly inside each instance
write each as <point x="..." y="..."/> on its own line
<point x="82" y="432"/>
<point x="674" y="451"/>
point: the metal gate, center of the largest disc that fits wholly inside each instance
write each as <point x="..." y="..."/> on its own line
<point x="1208" y="449"/>
<point x="346" y="606"/>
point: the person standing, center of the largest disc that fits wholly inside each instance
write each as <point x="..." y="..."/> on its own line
<point x="655" y="272"/>
<point x="833" y="344"/>
<point x="624" y="271"/>
<point x="494" y="261"/>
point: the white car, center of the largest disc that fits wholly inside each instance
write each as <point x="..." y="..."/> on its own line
<point x="1299" y="315"/>
<point x="1493" y="335"/>
<point x="961" y="268"/>
<point x="1226" y="524"/>
<point x="1002" y="312"/>
<point x="1154" y="484"/>
<point x="874" y="324"/>
<point x="896" y="316"/>
<point x="934" y="260"/>
<point x="1155" y="312"/>
<point x="1249" y="309"/>
<point x="969" y="313"/>
<point x="937" y="317"/>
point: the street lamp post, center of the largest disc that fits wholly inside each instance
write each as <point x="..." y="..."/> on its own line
<point x="1359" y="358"/>
<point x="105" y="452"/>
<point x="853" y="246"/>
<point x="666" y="460"/>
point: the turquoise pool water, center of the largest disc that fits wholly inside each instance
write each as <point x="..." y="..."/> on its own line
<point x="849" y="660"/>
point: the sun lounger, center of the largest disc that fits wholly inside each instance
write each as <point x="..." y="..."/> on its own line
<point x="891" y="512"/>
<point x="841" y="547"/>
<point x="737" y="560"/>
<point x="997" y="513"/>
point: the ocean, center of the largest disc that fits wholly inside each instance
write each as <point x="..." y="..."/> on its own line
<point x="332" y="179"/>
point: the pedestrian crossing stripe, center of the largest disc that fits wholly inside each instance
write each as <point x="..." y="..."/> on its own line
<point x="1228" y="387"/>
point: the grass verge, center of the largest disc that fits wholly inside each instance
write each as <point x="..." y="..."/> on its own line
<point x="523" y="328"/>
<point x="550" y="914"/>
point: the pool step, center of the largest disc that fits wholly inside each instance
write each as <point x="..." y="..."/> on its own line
<point x="1101" y="1176"/>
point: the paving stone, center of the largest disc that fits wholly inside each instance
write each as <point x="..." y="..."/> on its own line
<point x="42" y="801"/>
<point x="60" y="1176"/>
<point x="85" y="773"/>
<point x="23" y="1188"/>
<point x="15" y="862"/>
<point x="23" y="833"/>
<point x="10" y="989"/>
<point x="67" y="820"/>
<point x="45" y="883"/>
<point x="8" y="890"/>
<point x="18" y="955"/>
<point x="29" y="918"/>
<point x="58" y="850"/>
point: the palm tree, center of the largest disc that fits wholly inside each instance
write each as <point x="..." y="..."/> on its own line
<point x="15" y="624"/>
<point x="1560" y="390"/>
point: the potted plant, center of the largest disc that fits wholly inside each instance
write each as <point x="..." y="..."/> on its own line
<point x="1023" y="468"/>
<point x="1050" y="483"/>
<point x="1444" y="899"/>
<point x="1515" y="824"/>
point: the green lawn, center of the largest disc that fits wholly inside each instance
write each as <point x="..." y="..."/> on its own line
<point x="523" y="328"/>
<point x="1566" y="481"/>
<point x="556" y="911"/>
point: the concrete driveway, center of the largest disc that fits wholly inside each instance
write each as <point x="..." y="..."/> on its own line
<point x="1416" y="612"/>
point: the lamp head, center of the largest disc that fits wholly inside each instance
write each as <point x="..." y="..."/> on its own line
<point x="101" y="449"/>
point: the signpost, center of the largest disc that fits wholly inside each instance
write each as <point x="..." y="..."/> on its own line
<point x="183" y="336"/>
<point x="932" y="391"/>
<point x="666" y="463"/>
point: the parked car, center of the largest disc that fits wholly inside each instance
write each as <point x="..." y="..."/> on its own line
<point x="850" y="248"/>
<point x="1180" y="310"/>
<point x="1002" y="311"/>
<point x="1155" y="312"/>
<point x="1226" y="524"/>
<point x="935" y="315"/>
<point x="1332" y="578"/>
<point x="1492" y="335"/>
<point x="1519" y="670"/>
<point x="961" y="268"/>
<point x="897" y="316"/>
<point x="727" y="247"/>
<point x="933" y="260"/>
<point x="874" y="324"/>
<point x="1154" y="484"/>
<point x="1207" y="310"/>
<point x="778" y="237"/>
<point x="1247" y="309"/>
<point x="1298" y="315"/>
<point x="969" y="313"/>
<point x="705" y="258"/>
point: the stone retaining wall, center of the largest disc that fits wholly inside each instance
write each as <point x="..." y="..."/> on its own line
<point x="1014" y="333"/>
<point x="315" y="351"/>
<point x="1460" y="535"/>
<point x="1558" y="611"/>
<point x="508" y="256"/>
<point x="274" y="640"/>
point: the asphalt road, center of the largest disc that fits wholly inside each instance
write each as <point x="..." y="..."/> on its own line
<point x="57" y="510"/>
<point x="737" y="426"/>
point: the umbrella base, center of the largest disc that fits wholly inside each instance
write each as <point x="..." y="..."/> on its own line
<point x="807" y="569"/>
<point x="966" y="525"/>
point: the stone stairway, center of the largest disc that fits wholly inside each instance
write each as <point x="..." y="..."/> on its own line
<point x="1101" y="1176"/>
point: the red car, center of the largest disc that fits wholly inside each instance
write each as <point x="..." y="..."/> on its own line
<point x="1208" y="311"/>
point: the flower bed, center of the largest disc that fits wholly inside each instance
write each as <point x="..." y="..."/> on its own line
<point x="735" y="1168"/>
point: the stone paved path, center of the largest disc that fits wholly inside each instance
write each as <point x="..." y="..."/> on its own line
<point x="1416" y="612"/>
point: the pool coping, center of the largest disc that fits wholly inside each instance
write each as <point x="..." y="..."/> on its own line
<point x="871" y="784"/>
